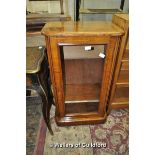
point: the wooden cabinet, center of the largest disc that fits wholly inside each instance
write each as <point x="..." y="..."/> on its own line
<point x="119" y="94"/>
<point x="82" y="57"/>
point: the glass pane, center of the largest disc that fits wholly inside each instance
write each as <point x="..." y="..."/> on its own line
<point x="82" y="76"/>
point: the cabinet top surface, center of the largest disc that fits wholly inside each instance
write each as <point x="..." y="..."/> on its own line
<point x="123" y="16"/>
<point x="86" y="28"/>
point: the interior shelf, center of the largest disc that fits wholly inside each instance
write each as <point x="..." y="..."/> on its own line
<point x="82" y="98"/>
<point x="125" y="65"/>
<point x="126" y="52"/>
<point x="123" y="79"/>
<point x="82" y="93"/>
<point x="100" y="11"/>
<point x="86" y="107"/>
<point x="121" y="95"/>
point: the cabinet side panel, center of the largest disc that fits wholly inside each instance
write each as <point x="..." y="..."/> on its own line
<point x="122" y="22"/>
<point x="56" y="75"/>
<point x="112" y="49"/>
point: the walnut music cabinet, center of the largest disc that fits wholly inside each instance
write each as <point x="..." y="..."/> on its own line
<point x="82" y="57"/>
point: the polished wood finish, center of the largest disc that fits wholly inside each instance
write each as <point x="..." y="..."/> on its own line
<point x="82" y="92"/>
<point x="84" y="73"/>
<point x="80" y="108"/>
<point x="119" y="94"/>
<point x="126" y="52"/>
<point x="65" y="35"/>
<point x="121" y="98"/>
<point x="125" y="64"/>
<point x="123" y="78"/>
<point x="85" y="28"/>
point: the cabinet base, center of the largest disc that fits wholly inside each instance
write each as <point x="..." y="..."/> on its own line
<point x="80" y="120"/>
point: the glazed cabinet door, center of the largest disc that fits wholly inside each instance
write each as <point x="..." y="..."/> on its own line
<point x="81" y="73"/>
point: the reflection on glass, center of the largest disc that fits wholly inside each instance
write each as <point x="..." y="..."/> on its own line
<point x="82" y="70"/>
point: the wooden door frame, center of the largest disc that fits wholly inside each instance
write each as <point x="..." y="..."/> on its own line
<point x="112" y="43"/>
